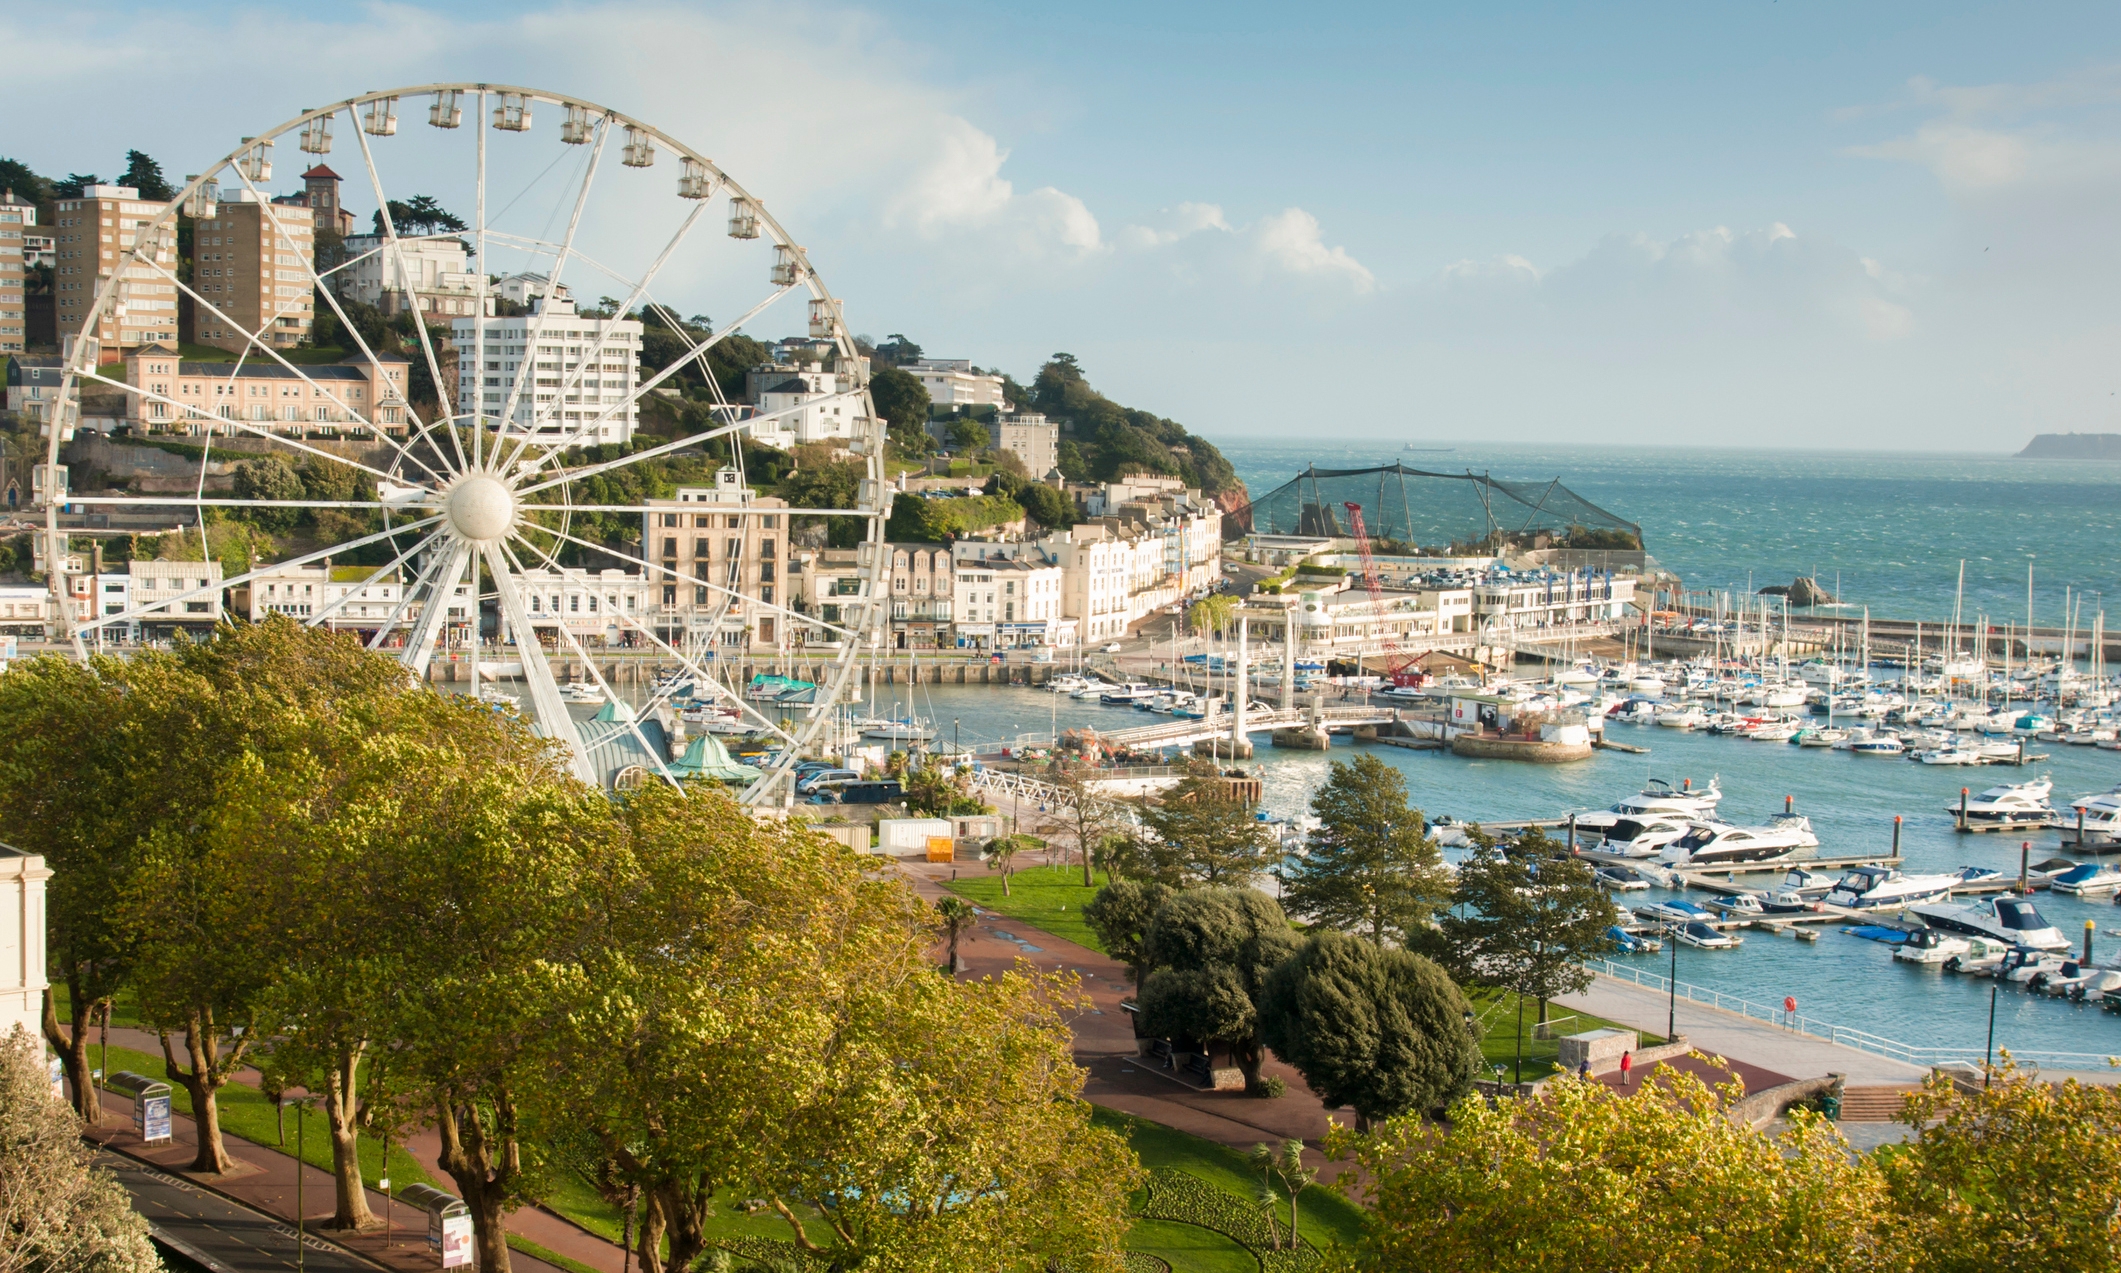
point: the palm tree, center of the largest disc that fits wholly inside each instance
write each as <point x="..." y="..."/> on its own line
<point x="957" y="916"/>
<point x="1287" y="1166"/>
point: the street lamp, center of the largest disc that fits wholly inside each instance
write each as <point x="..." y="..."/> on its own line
<point x="301" y="1104"/>
<point x="1671" y="1012"/>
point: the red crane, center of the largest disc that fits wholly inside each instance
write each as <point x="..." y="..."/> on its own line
<point x="1395" y="664"/>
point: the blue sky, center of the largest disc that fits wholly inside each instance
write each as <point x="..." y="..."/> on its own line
<point x="1775" y="223"/>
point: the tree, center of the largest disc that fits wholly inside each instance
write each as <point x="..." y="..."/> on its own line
<point x="967" y="434"/>
<point x="1198" y="833"/>
<point x="58" y="1214"/>
<point x="1581" y="1177"/>
<point x="1527" y="920"/>
<point x="1085" y="814"/>
<point x="903" y="401"/>
<point x="2022" y="1174"/>
<point x="1120" y="915"/>
<point x="1370" y="864"/>
<point x="956" y="915"/>
<point x="1212" y="613"/>
<point x="1379" y="1030"/>
<point x="269" y="478"/>
<point x="1001" y="852"/>
<point x="1210" y="952"/>
<point x="420" y="215"/>
<point x="938" y="791"/>
<point x="1284" y="1163"/>
<point x="145" y="175"/>
<point x="898" y="351"/>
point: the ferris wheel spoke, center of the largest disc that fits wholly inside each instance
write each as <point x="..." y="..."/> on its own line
<point x="537" y="671"/>
<point x="638" y="290"/>
<point x="700" y="675"/>
<point x="544" y="689"/>
<point x="696" y="439"/>
<point x="419" y="651"/>
<point x="187" y="411"/>
<point x="419" y="321"/>
<point x="317" y="288"/>
<point x="574" y="225"/>
<point x="641" y="390"/>
<point x="421" y="582"/>
<point x="676" y="575"/>
<point x="325" y="615"/>
<point x="188" y="501"/>
<point x="162" y="603"/>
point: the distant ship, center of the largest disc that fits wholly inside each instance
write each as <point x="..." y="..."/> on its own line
<point x="1433" y="450"/>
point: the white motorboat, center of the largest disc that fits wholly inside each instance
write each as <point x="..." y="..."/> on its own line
<point x="2087" y="879"/>
<point x="1658" y="798"/>
<point x="1685" y="717"/>
<point x="1674" y="911"/>
<point x="1952" y="755"/>
<point x="2008" y="918"/>
<point x="1703" y="936"/>
<point x="1713" y="844"/>
<point x="1881" y="743"/>
<point x="1738" y="906"/>
<point x="581" y="692"/>
<point x="1643" y="837"/>
<point x="1619" y="879"/>
<point x="2013" y="805"/>
<point x="1931" y="947"/>
<point x="2100" y="985"/>
<point x="1883" y="888"/>
<point x="1810" y="884"/>
<point x="1774" y="732"/>
<point x="898" y="731"/>
<point x="1820" y="737"/>
<point x="2024" y="966"/>
<point x="1129" y="693"/>
<point x="2100" y="816"/>
<point x="1068" y="683"/>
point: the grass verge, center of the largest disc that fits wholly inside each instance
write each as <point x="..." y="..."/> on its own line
<point x="1496" y="1010"/>
<point x="1049" y="898"/>
<point x="1325" y="1219"/>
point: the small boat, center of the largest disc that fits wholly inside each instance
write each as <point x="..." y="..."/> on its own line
<point x="1702" y="936"/>
<point x="1738" y="906"/>
<point x="1620" y="880"/>
<point x="1952" y="755"/>
<point x="1657" y="798"/>
<point x="1787" y="901"/>
<point x="2013" y="805"/>
<point x="1128" y="694"/>
<point x="1711" y="844"/>
<point x="2065" y="981"/>
<point x="1643" y="837"/>
<point x="2023" y="966"/>
<point x="1819" y="737"/>
<point x="1883" y="888"/>
<point x="1930" y="947"/>
<point x="1780" y="732"/>
<point x="2087" y="879"/>
<point x="1878" y="744"/>
<point x="2008" y="918"/>
<point x="1673" y="912"/>
<point x="898" y="731"/>
<point x="2102" y="984"/>
<point x="2101" y="816"/>
<point x="1981" y="960"/>
<point x="1685" y="717"/>
<point x="581" y="692"/>
<point x="1628" y="943"/>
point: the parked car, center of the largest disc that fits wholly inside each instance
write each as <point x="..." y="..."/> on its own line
<point x="1112" y="648"/>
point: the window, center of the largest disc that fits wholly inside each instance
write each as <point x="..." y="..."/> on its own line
<point x="736" y="547"/>
<point x="670" y="594"/>
<point x="670" y="546"/>
<point x="700" y="547"/>
<point x="670" y="519"/>
<point x="766" y="572"/>
<point x="766" y="548"/>
<point x="735" y="522"/>
<point x="699" y="596"/>
<point x="702" y="520"/>
<point x="768" y="522"/>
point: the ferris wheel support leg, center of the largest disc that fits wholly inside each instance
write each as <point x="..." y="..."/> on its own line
<point x="537" y="673"/>
<point x="420" y="642"/>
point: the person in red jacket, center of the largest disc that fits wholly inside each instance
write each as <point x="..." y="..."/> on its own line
<point x="1627" y="1063"/>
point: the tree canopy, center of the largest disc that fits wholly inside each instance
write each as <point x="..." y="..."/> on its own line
<point x="1104" y="440"/>
<point x="1526" y="919"/>
<point x="1197" y="833"/>
<point x="1370" y="865"/>
<point x="1210" y="951"/>
<point x="58" y="1214"/>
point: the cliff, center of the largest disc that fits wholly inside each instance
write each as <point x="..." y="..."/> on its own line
<point x="2073" y="446"/>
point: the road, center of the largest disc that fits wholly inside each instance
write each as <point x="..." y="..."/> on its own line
<point x="222" y="1236"/>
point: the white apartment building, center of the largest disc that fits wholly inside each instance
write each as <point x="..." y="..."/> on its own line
<point x="526" y="288"/>
<point x="1031" y="438"/>
<point x="598" y="608"/>
<point x="718" y="561"/>
<point x="88" y="234"/>
<point x="24" y="609"/>
<point x="434" y="276"/>
<point x="1006" y="602"/>
<point x="827" y="583"/>
<point x="356" y="598"/>
<point x="175" y="595"/>
<point x="810" y="395"/>
<point x="1458" y="602"/>
<point x="951" y="382"/>
<point x="583" y="373"/>
<point x="22" y="936"/>
<point x="16" y="217"/>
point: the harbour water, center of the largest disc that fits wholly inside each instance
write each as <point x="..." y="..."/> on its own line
<point x="1893" y="527"/>
<point x="1850" y="799"/>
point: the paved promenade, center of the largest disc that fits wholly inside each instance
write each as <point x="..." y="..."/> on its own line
<point x="1719" y="1032"/>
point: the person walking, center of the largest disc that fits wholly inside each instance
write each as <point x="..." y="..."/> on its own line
<point x="1627" y="1064"/>
<point x="1583" y="1069"/>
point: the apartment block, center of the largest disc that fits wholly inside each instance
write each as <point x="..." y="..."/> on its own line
<point x="599" y="608"/>
<point x="354" y="397"/>
<point x="725" y="573"/>
<point x="88" y="235"/>
<point x="174" y="596"/>
<point x="343" y="598"/>
<point x="923" y="596"/>
<point x="803" y="402"/>
<point x="16" y="220"/>
<point x="251" y="266"/>
<point x="951" y="382"/>
<point x="434" y="277"/>
<point x="578" y="383"/>
<point x="1031" y="438"/>
<point x="1005" y="602"/>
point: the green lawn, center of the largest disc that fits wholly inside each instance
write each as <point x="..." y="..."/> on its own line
<point x="1326" y="1220"/>
<point x="245" y="1112"/>
<point x="1050" y="898"/>
<point x="1189" y="1248"/>
<point x="574" y="1198"/>
<point x="1497" y="1011"/>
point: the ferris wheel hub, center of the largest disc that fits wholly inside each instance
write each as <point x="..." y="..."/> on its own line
<point x="480" y="508"/>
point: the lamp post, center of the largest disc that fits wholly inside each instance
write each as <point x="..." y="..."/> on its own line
<point x="1988" y="1057"/>
<point x="301" y="1104"/>
<point x="1671" y="1011"/>
<point x="1520" y="1039"/>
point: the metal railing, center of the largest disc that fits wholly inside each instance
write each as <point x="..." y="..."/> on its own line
<point x="1846" y="1036"/>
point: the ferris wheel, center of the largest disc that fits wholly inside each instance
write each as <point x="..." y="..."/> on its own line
<point x="488" y="451"/>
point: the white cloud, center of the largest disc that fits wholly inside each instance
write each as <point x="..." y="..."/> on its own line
<point x="1183" y="221"/>
<point x="1290" y="241"/>
<point x="961" y="187"/>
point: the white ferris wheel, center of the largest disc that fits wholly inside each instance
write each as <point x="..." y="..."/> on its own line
<point x="477" y="496"/>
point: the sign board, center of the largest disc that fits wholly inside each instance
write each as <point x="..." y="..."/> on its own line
<point x="57" y="1072"/>
<point x="941" y="848"/>
<point x="151" y="1119"/>
<point x="457" y="1251"/>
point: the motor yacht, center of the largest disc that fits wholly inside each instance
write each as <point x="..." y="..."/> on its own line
<point x="2023" y="966"/>
<point x="1645" y="836"/>
<point x="2014" y="805"/>
<point x="1883" y="888"/>
<point x="1658" y="798"/>
<point x="2100" y="817"/>
<point x="1618" y="879"/>
<point x="1953" y="754"/>
<point x="1127" y="694"/>
<point x="1738" y="906"/>
<point x="1820" y="737"/>
<point x="1703" y="936"/>
<point x="581" y="692"/>
<point x="1628" y="943"/>
<point x="2086" y="880"/>
<point x="1930" y="947"/>
<point x="1685" y="717"/>
<point x="1807" y="883"/>
<point x="1712" y="844"/>
<point x="1068" y="683"/>
<point x="2008" y="918"/>
<point x="1881" y="743"/>
<point x="898" y="731"/>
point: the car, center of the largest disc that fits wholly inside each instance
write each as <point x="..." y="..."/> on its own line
<point x="817" y="777"/>
<point x="1112" y="648"/>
